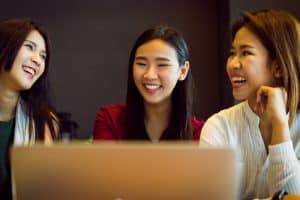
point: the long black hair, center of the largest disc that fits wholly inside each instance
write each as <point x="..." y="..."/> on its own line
<point x="36" y="100"/>
<point x="180" y="123"/>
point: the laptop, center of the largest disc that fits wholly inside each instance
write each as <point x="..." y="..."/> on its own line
<point x="124" y="171"/>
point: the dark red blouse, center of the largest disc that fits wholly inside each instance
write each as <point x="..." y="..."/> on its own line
<point x="108" y="124"/>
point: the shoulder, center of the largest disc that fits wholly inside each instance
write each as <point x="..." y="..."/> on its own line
<point x="109" y="123"/>
<point x="232" y="113"/>
<point x="111" y="113"/>
<point x="218" y="128"/>
<point x="112" y="109"/>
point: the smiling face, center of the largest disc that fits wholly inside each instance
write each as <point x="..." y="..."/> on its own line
<point x="249" y="66"/>
<point x="156" y="71"/>
<point x="29" y="64"/>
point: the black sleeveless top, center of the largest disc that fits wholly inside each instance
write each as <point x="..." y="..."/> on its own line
<point x="6" y="140"/>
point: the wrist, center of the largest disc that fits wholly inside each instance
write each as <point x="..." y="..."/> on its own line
<point x="279" y="120"/>
<point x="280" y="133"/>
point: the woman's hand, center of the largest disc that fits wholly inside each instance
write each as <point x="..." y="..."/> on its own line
<point x="271" y="109"/>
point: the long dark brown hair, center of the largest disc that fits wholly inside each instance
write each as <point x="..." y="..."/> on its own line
<point x="180" y="123"/>
<point x="36" y="100"/>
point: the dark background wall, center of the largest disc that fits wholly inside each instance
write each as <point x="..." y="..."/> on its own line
<point x="92" y="39"/>
<point x="236" y="6"/>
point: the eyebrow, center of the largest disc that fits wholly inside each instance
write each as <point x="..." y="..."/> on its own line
<point x="140" y="58"/>
<point x="244" y="46"/>
<point x="34" y="44"/>
<point x="162" y="59"/>
<point x="157" y="59"/>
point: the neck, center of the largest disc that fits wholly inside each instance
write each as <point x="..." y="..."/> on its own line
<point x="157" y="118"/>
<point x="252" y="103"/>
<point x="8" y="103"/>
<point x="155" y="112"/>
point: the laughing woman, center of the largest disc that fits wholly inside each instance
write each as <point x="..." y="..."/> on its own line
<point x="159" y="100"/>
<point x="264" y="68"/>
<point x="25" y="111"/>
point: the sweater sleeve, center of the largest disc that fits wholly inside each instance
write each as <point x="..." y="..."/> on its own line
<point x="284" y="169"/>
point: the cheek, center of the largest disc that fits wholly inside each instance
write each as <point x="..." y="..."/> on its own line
<point x="228" y="62"/>
<point x="42" y="70"/>
<point x="19" y="59"/>
<point x="254" y="68"/>
<point x="227" y="68"/>
<point x="135" y="73"/>
<point x="137" y="76"/>
<point x="170" y="78"/>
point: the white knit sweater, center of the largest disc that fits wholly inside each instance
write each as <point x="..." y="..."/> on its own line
<point x="262" y="174"/>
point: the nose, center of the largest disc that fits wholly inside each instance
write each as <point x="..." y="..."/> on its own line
<point x="150" y="73"/>
<point x="234" y="62"/>
<point x="36" y="59"/>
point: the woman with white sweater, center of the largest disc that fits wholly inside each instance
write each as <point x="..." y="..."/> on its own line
<point x="264" y="69"/>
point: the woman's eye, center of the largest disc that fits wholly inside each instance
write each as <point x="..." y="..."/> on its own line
<point x="29" y="46"/>
<point x="163" y="65"/>
<point x="43" y="56"/>
<point x="246" y="53"/>
<point x="140" y="64"/>
<point x="231" y="53"/>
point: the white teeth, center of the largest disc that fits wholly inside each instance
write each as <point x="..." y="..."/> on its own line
<point x="29" y="70"/>
<point x="238" y="79"/>
<point x="152" y="87"/>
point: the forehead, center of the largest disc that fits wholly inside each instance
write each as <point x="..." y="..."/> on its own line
<point x="156" y="47"/>
<point x="246" y="37"/>
<point x="35" y="37"/>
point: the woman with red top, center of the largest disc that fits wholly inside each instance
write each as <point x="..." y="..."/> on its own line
<point x="159" y="97"/>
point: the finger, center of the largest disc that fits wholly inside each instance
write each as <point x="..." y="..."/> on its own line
<point x="262" y="93"/>
<point x="262" y="99"/>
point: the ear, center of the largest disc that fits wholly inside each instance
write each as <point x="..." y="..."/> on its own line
<point x="276" y="70"/>
<point x="184" y="70"/>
